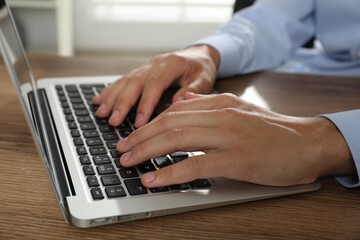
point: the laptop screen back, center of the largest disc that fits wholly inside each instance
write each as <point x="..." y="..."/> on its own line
<point x="14" y="55"/>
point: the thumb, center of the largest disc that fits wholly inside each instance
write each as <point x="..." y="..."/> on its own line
<point x="198" y="86"/>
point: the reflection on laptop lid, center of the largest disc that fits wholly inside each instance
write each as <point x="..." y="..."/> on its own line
<point x="78" y="151"/>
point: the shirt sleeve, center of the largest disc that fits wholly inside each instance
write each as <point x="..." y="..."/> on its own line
<point x="348" y="124"/>
<point x="262" y="36"/>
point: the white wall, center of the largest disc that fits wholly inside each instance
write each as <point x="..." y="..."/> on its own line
<point x="38" y="29"/>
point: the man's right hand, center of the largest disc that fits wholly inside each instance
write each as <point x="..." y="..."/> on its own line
<point x="193" y="69"/>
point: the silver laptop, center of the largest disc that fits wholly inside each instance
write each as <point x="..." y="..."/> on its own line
<point x="79" y="155"/>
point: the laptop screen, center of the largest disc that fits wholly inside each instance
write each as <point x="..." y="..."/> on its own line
<point x="14" y="55"/>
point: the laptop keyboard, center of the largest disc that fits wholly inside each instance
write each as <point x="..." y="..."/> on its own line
<point x="95" y="142"/>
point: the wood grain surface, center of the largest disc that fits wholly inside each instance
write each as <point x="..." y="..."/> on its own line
<point x="29" y="210"/>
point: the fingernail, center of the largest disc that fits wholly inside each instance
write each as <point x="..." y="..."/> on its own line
<point x="122" y="143"/>
<point x="179" y="98"/>
<point x="149" y="177"/>
<point x="96" y="98"/>
<point x="115" y="115"/>
<point x="139" y="119"/>
<point x="102" y="107"/>
<point x="125" y="157"/>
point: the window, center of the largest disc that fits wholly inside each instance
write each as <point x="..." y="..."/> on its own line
<point x="146" y="25"/>
<point x="157" y="11"/>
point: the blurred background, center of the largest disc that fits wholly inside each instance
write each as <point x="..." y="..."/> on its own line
<point x="127" y="28"/>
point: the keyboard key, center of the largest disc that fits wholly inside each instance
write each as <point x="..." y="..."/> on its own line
<point x="101" y="159"/>
<point x="115" y="191"/>
<point x="96" y="194"/>
<point x="87" y="126"/>
<point x="92" y="181"/>
<point x="110" y="136"/>
<point x="128" y="172"/>
<point x="84" y="119"/>
<point x="81" y="150"/>
<point x="82" y="112"/>
<point x="85" y="160"/>
<point x="74" y="95"/>
<point x="124" y="126"/>
<point x="110" y="180"/>
<point x="75" y="133"/>
<point x="200" y="184"/>
<point x="162" y="161"/>
<point x="80" y="106"/>
<point x="88" y="170"/>
<point x="94" y="142"/>
<point x="62" y="98"/>
<point x="106" y="128"/>
<point x="98" y="150"/>
<point x="111" y="144"/>
<point x="180" y="187"/>
<point x="76" y="101"/>
<point x="117" y="163"/>
<point x="159" y="189"/>
<point x="106" y="169"/>
<point x="115" y="154"/>
<point x="65" y="105"/>
<point x="60" y="93"/>
<point x="71" y="88"/>
<point x="69" y="118"/>
<point x="91" y="134"/>
<point x="135" y="187"/>
<point x="72" y="125"/>
<point x="124" y="132"/>
<point x="101" y="121"/>
<point x="146" y="167"/>
<point x="78" y="142"/>
<point x="67" y="111"/>
<point x="179" y="156"/>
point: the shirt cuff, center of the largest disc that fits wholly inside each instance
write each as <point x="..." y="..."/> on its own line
<point x="229" y="49"/>
<point x="348" y="123"/>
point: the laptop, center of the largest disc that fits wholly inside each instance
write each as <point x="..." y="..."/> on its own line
<point x="79" y="155"/>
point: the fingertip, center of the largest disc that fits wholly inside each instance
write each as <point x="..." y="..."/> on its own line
<point x="191" y="95"/>
<point x="102" y="110"/>
<point x="148" y="180"/>
<point x="140" y="120"/>
<point x="96" y="100"/>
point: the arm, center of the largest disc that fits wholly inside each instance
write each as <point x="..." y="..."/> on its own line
<point x="262" y="36"/>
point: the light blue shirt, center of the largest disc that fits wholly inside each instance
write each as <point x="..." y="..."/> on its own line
<point x="269" y="35"/>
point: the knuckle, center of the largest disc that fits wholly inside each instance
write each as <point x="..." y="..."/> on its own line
<point x="167" y="119"/>
<point x="195" y="164"/>
<point x="228" y="112"/>
<point x="176" y="106"/>
<point x="168" y="173"/>
<point x="229" y="98"/>
<point x="177" y="134"/>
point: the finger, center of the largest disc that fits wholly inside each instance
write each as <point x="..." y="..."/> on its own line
<point x="203" y="166"/>
<point x="166" y="122"/>
<point x="206" y="102"/>
<point x="200" y="85"/>
<point x="178" y="139"/>
<point x="107" y="97"/>
<point x="126" y="99"/>
<point x="156" y="84"/>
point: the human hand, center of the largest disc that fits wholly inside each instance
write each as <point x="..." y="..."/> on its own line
<point x="241" y="141"/>
<point x="194" y="69"/>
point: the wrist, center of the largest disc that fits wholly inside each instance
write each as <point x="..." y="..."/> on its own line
<point x="209" y="51"/>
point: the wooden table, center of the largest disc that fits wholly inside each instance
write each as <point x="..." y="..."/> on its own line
<point x="29" y="210"/>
